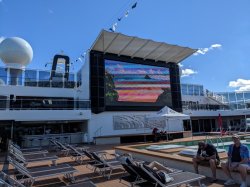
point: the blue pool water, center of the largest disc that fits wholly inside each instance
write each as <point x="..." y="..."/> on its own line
<point x="226" y="146"/>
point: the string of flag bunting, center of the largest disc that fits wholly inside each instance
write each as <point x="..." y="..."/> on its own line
<point x="120" y="18"/>
<point x="113" y="28"/>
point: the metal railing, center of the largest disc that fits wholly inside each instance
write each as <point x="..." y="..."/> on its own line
<point x="218" y="140"/>
<point x="37" y="78"/>
<point x="98" y="132"/>
<point x="194" y="106"/>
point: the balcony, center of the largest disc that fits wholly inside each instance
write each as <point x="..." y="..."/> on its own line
<point x="44" y="109"/>
<point x="43" y="104"/>
<point x="38" y="78"/>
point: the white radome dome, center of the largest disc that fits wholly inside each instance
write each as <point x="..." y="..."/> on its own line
<point x="15" y="52"/>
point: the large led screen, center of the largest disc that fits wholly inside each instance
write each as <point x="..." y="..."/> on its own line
<point x="131" y="84"/>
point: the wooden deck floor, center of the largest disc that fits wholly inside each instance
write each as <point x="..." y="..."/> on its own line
<point x="84" y="173"/>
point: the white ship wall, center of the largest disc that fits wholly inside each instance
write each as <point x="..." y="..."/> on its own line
<point x="103" y="124"/>
<point x="83" y="92"/>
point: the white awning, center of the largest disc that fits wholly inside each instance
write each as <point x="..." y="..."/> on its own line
<point x="120" y="44"/>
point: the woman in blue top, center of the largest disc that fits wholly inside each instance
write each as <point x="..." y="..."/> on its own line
<point x="238" y="159"/>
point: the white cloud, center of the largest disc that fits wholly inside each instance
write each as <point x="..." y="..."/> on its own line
<point x="1" y="37"/>
<point x="187" y="72"/>
<point x="241" y="84"/>
<point x="203" y="51"/>
<point x="216" y="46"/>
<point x="180" y="65"/>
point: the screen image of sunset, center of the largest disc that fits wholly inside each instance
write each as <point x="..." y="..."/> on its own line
<point x="130" y="82"/>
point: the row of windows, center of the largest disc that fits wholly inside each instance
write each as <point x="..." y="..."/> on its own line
<point x="42" y="103"/>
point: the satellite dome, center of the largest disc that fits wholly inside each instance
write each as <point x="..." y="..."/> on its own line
<point x="15" y="52"/>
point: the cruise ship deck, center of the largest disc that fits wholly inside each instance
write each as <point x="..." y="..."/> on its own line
<point x="85" y="174"/>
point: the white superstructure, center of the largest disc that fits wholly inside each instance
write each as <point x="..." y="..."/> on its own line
<point x="35" y="106"/>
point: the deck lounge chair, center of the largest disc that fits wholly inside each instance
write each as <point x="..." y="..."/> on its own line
<point x="29" y="175"/>
<point x="29" y="151"/>
<point x="92" y="161"/>
<point x="83" y="184"/>
<point x="76" y="154"/>
<point x="131" y="176"/>
<point x="4" y="183"/>
<point x="178" y="178"/>
<point x="248" y="129"/>
<point x="105" y="165"/>
<point x="7" y="181"/>
<point x="62" y="148"/>
<point x="17" y="155"/>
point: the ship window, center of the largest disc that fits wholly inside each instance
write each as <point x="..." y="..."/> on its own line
<point x="3" y="102"/>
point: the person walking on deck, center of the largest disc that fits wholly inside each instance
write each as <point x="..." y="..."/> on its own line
<point x="238" y="159"/>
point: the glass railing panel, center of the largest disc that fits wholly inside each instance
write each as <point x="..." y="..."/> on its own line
<point x="241" y="105"/>
<point x="247" y="96"/>
<point x="232" y="97"/>
<point x="240" y="97"/>
<point x="15" y="76"/>
<point x="190" y="90"/>
<point x="71" y="82"/>
<point x="196" y="91"/>
<point x="30" y="77"/>
<point x="3" y="76"/>
<point x="44" y="79"/>
<point x="36" y="78"/>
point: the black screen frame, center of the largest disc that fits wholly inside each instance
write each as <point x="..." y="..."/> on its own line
<point x="97" y="82"/>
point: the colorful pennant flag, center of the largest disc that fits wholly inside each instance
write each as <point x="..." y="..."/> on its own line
<point x="134" y="5"/>
<point x="119" y="19"/>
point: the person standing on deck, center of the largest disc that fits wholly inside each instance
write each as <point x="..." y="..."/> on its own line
<point x="238" y="159"/>
<point x="207" y="153"/>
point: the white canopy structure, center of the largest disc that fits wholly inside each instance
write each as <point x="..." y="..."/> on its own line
<point x="120" y="44"/>
<point x="166" y="114"/>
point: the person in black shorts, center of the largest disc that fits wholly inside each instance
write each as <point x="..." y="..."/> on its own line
<point x="207" y="153"/>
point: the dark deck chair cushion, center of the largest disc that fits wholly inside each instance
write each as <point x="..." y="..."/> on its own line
<point x="158" y="175"/>
<point x="129" y="161"/>
<point x="130" y="170"/>
<point x="143" y="174"/>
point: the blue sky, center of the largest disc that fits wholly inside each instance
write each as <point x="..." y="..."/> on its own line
<point x="221" y="29"/>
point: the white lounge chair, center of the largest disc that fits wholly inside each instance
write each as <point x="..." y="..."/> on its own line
<point x="8" y="181"/>
<point x="29" y="175"/>
<point x="179" y="178"/>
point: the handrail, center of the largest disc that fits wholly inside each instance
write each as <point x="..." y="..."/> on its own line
<point x="208" y="139"/>
<point x="98" y="132"/>
<point x="218" y="140"/>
